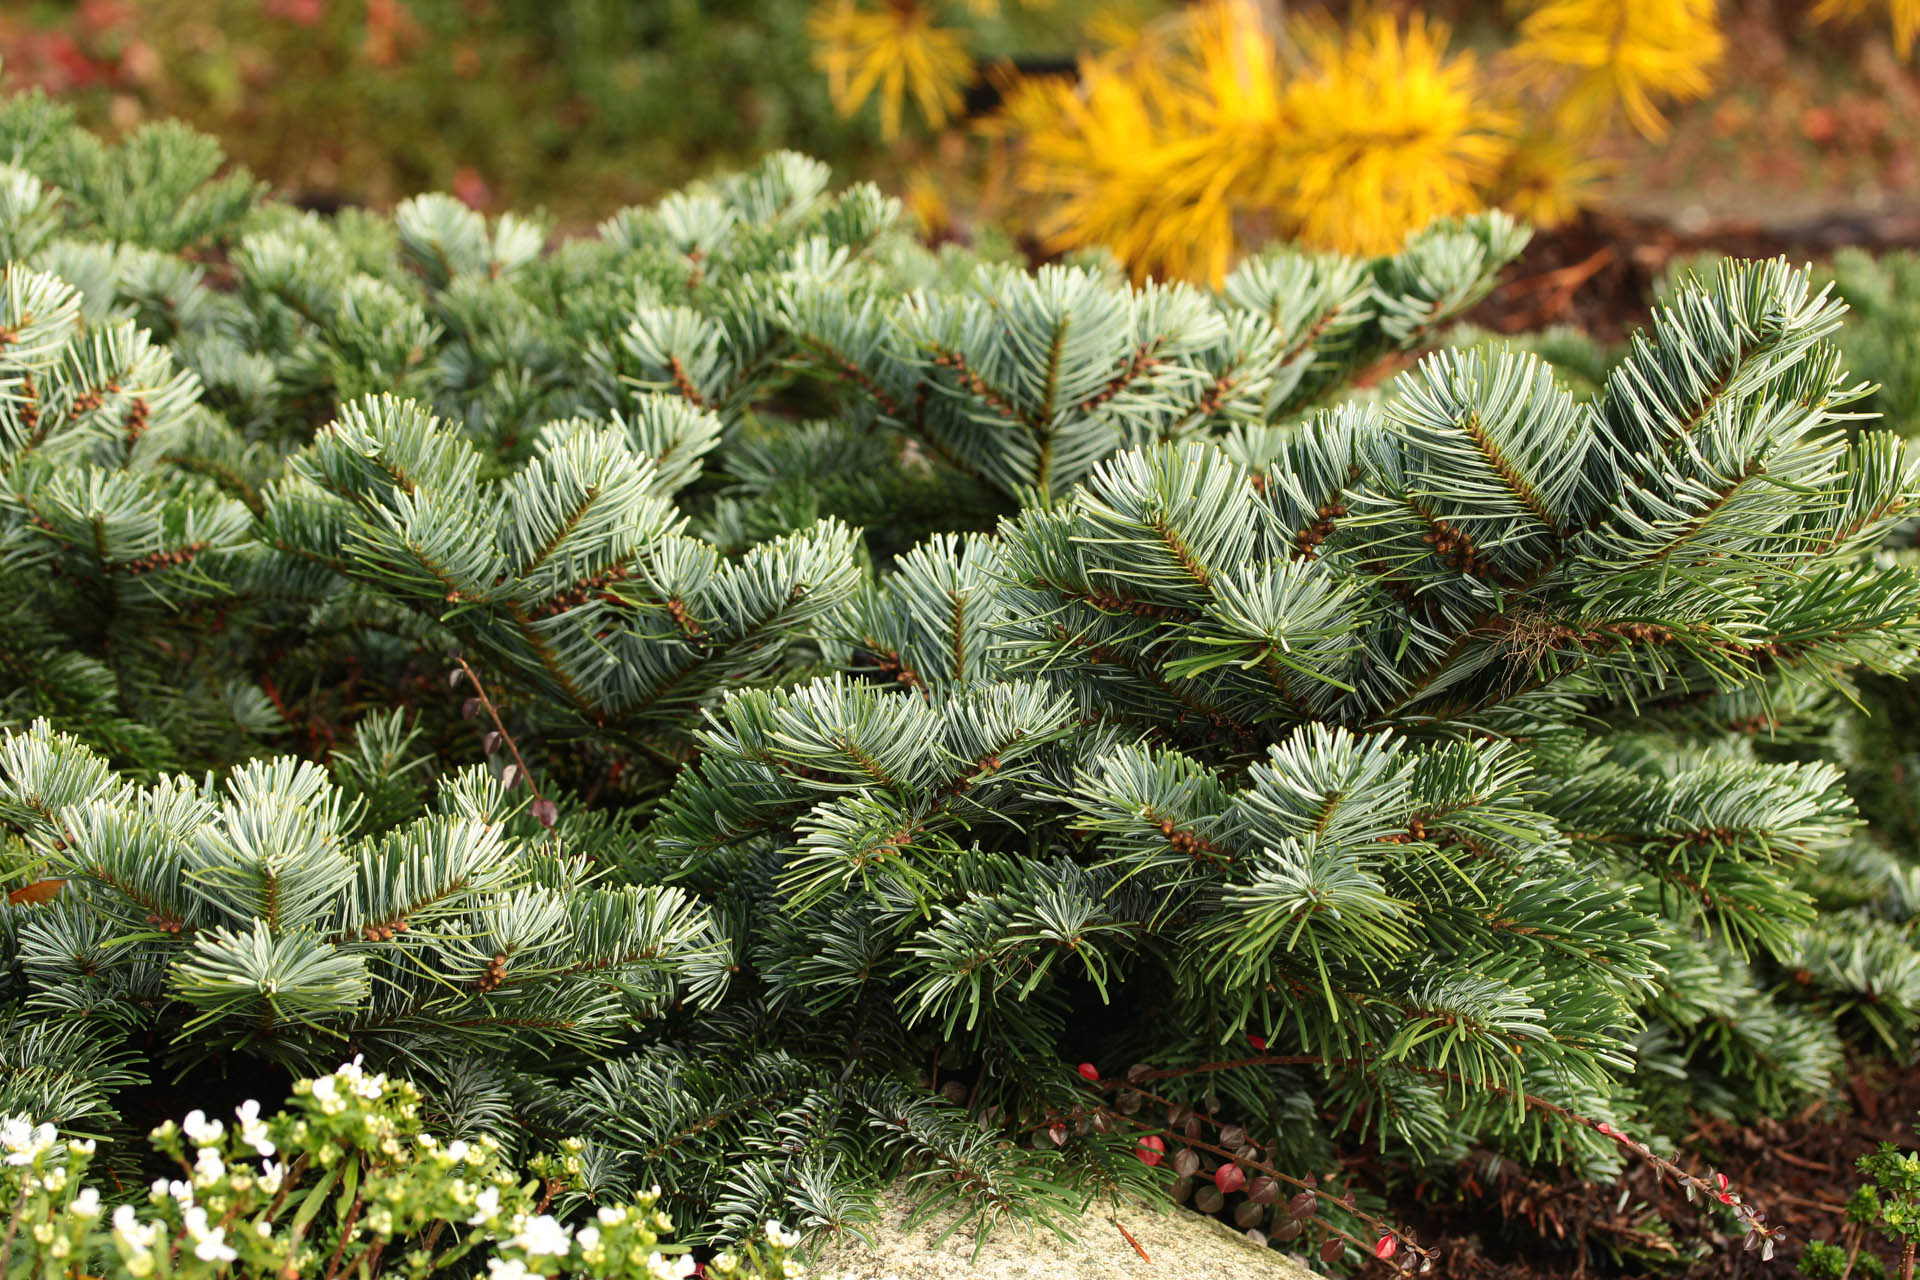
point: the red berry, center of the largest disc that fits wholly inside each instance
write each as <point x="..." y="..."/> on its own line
<point x="1386" y="1247"/>
<point x="1151" y="1150"/>
<point x="1259" y="1043"/>
<point x="1229" y="1178"/>
<point x="1089" y="1072"/>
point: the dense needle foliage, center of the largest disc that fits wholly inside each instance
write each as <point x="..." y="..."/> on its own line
<point x="779" y="706"/>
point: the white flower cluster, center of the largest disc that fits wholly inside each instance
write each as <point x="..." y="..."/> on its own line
<point x="542" y="1237"/>
<point x="36" y="1150"/>
<point x="136" y="1240"/>
<point x="24" y="1142"/>
<point x="350" y="1081"/>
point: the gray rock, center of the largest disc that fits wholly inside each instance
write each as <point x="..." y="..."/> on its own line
<point x="1177" y="1242"/>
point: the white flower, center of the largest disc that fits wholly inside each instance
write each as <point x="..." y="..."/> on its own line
<point x="457" y="1150"/>
<point x="22" y="1142"/>
<point x="136" y="1241"/>
<point x="263" y="1229"/>
<point x="511" y="1269"/>
<point x="136" y="1235"/>
<point x="780" y="1236"/>
<point x="661" y="1267"/>
<point x="208" y="1168"/>
<point x="542" y="1235"/>
<point x="326" y="1090"/>
<point x="611" y="1215"/>
<point x="201" y="1131"/>
<point x="87" y="1204"/>
<point x="485" y="1205"/>
<point x="215" y="1248"/>
<point x="355" y="1077"/>
<point x="587" y="1237"/>
<point x="253" y="1130"/>
<point x="210" y="1243"/>
<point x="271" y="1176"/>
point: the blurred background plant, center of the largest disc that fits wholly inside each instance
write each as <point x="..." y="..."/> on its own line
<point x="1172" y="134"/>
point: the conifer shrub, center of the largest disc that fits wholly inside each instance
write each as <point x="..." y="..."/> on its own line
<point x="779" y="707"/>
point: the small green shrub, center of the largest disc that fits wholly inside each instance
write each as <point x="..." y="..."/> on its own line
<point x="347" y="1181"/>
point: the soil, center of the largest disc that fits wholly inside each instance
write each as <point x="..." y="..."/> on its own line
<point x="1799" y="1171"/>
<point x="1597" y="272"/>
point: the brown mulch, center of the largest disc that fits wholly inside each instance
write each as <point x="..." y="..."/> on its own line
<point x="1799" y="1171"/>
<point x="1597" y="272"/>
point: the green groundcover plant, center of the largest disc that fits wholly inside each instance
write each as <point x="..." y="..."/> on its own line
<point x="760" y="708"/>
<point x="328" y="1187"/>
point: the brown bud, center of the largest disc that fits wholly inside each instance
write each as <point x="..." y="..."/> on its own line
<point x="1208" y="1199"/>
<point x="1247" y="1214"/>
<point x="1332" y="1250"/>
<point x="1263" y="1190"/>
<point x="1186" y="1162"/>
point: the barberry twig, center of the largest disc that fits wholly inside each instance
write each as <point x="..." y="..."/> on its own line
<point x="543" y="809"/>
<point x="1716" y="1187"/>
<point x="1390" y="1239"/>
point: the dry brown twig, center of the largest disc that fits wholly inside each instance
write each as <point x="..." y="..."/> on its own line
<point x="543" y="809"/>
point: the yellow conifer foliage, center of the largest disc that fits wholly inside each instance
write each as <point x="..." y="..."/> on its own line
<point x="1160" y="152"/>
<point x="1157" y="145"/>
<point x="895" y="51"/>
<point x="1620" y="52"/>
<point x="1383" y="132"/>
<point x="1903" y="14"/>
<point x="1548" y="176"/>
<point x="1185" y="132"/>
